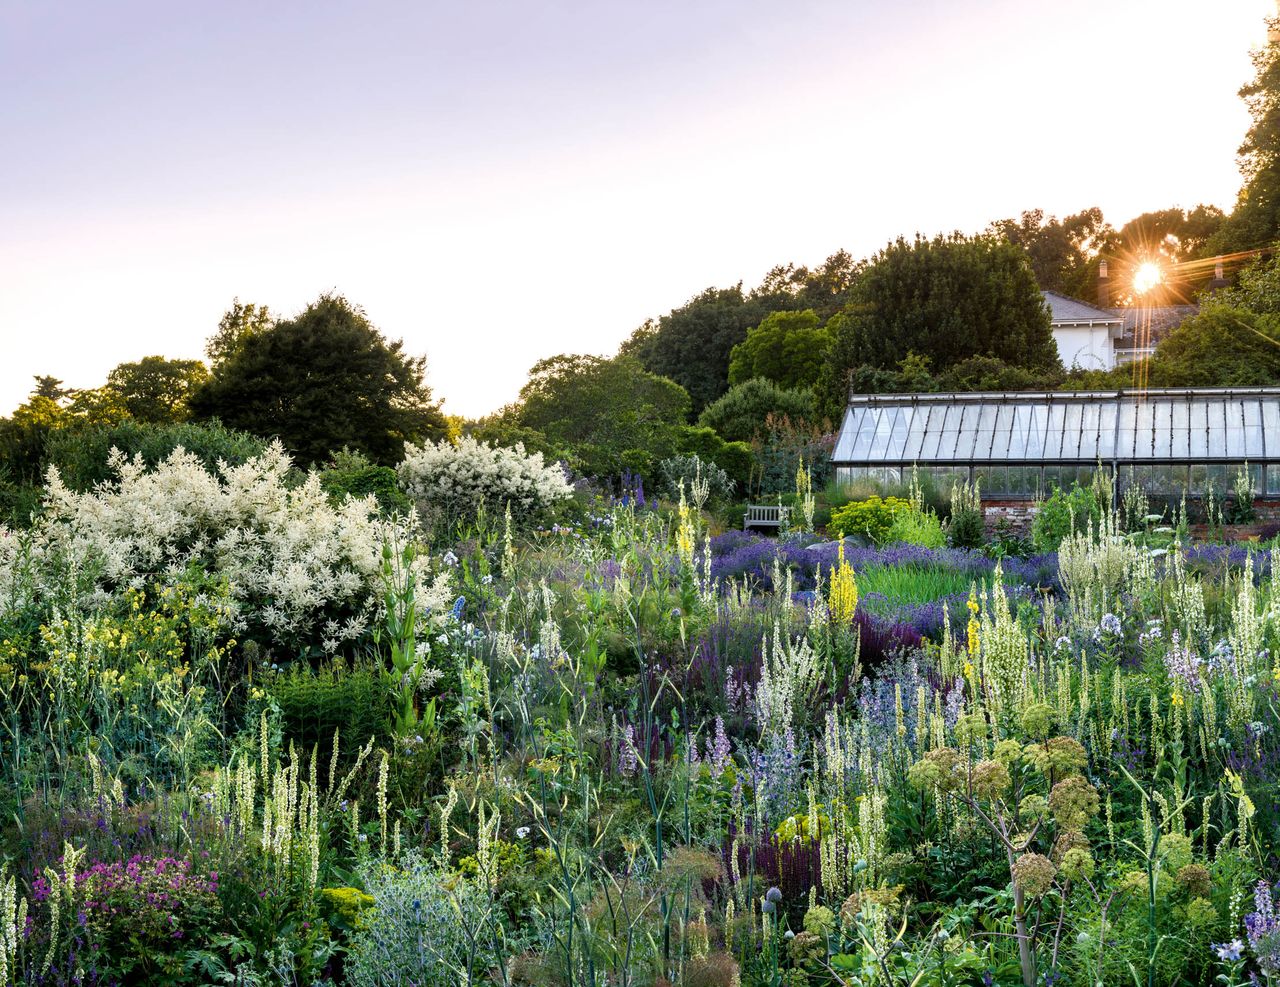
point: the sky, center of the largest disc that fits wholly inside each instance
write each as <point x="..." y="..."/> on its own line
<point x="496" y="182"/>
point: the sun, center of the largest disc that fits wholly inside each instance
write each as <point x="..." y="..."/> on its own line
<point x="1146" y="277"/>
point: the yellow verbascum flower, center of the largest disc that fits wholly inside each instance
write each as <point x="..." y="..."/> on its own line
<point x="842" y="598"/>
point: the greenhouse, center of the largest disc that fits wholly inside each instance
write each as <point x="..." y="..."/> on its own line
<point x="1019" y="445"/>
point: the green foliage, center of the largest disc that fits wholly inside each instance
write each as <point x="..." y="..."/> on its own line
<point x="610" y="415"/>
<point x="350" y="474"/>
<point x="323" y="380"/>
<point x="1059" y="250"/>
<point x="689" y="472"/>
<point x="967" y="527"/>
<point x="155" y="389"/>
<point x="81" y="454"/>
<point x="353" y="701"/>
<point x="949" y="298"/>
<point x="238" y="324"/>
<point x="1064" y="513"/>
<point x="872" y="518"/>
<point x="743" y="412"/>
<point x="691" y="345"/>
<point x="1222" y="346"/>
<point x="786" y="348"/>
<point x="917" y="528"/>
<point x="1254" y="222"/>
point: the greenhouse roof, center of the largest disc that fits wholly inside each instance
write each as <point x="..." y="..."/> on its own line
<point x="1169" y="426"/>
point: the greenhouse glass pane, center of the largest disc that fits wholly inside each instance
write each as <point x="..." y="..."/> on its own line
<point x="1180" y="429"/>
<point x="1271" y="427"/>
<point x="1162" y="430"/>
<point x="1216" y="414"/>
<point x="1199" y="437"/>
<point x="1254" y="447"/>
<point x="1105" y="427"/>
<point x="898" y="426"/>
<point x="1199" y="481"/>
<point x="1128" y="412"/>
<point x="1054" y="421"/>
<point x="1071" y="428"/>
<point x="1273" y="478"/>
<point x="917" y="430"/>
<point x="1233" y="417"/>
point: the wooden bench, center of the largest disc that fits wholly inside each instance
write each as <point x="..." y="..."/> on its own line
<point x="765" y="516"/>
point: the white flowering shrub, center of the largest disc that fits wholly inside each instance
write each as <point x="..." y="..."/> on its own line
<point x="300" y="571"/>
<point x="452" y="482"/>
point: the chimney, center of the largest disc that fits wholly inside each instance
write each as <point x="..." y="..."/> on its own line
<point x="1104" y="286"/>
<point x="1219" y="278"/>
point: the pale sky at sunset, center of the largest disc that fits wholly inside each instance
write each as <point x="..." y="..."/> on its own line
<point x="498" y="182"/>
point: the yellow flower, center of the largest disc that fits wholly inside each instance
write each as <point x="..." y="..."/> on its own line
<point x="842" y="597"/>
<point x="1177" y="699"/>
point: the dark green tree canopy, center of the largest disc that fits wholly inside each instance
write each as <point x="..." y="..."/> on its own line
<point x="1255" y="221"/>
<point x="691" y="345"/>
<point x="155" y="389"/>
<point x="607" y="411"/>
<point x="1222" y="346"/>
<point x="739" y="415"/>
<point x="949" y="298"/>
<point x="324" y="380"/>
<point x="788" y="348"/>
<point x="1059" y="250"/>
<point x="238" y="323"/>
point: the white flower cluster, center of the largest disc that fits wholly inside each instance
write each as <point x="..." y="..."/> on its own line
<point x="455" y="481"/>
<point x="298" y="568"/>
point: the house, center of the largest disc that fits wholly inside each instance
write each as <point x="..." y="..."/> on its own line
<point x="1103" y="337"/>
<point x="1086" y="336"/>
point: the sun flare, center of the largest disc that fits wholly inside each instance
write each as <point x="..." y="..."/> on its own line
<point x="1146" y="277"/>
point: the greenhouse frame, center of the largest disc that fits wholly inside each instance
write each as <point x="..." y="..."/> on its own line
<point x="1020" y="445"/>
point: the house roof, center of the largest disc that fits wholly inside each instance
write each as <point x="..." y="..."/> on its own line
<point x="1071" y="311"/>
<point x="1150" y="325"/>
<point x="1152" y="426"/>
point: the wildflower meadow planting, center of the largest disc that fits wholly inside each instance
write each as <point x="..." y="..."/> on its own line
<point x="523" y="731"/>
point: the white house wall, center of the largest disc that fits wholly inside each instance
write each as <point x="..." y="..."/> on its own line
<point x="1087" y="347"/>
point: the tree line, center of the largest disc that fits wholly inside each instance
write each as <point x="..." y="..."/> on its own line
<point x="728" y="373"/>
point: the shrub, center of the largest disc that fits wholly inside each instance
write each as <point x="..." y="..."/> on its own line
<point x="1064" y="513"/>
<point x="83" y="456"/>
<point x="420" y="928"/>
<point x="741" y="412"/>
<point x="968" y="527"/>
<point x="454" y="483"/>
<point x="350" y="474"/>
<point x="693" y="473"/>
<point x="871" y="518"/>
<point x="917" y="528"/>
<point x="301" y="572"/>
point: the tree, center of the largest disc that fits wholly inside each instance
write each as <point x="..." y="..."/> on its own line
<point x="951" y="298"/>
<point x="1255" y="221"/>
<point x="1059" y="250"/>
<point x="155" y="389"/>
<point x="739" y="415"/>
<point x="324" y="380"/>
<point x="238" y="323"/>
<point x="947" y="299"/>
<point x="609" y="414"/>
<point x="691" y="344"/>
<point x="787" y="348"/>
<point x="1222" y="346"/>
<point x="825" y="288"/>
<point x="51" y="388"/>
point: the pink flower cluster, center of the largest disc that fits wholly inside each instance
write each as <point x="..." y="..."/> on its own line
<point x="149" y="891"/>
